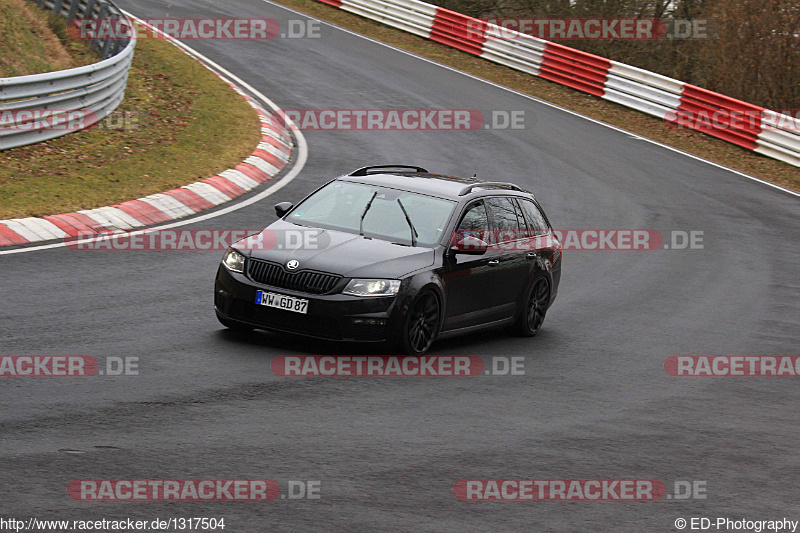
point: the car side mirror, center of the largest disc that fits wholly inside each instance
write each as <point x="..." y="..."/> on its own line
<point x="283" y="208"/>
<point x="470" y="245"/>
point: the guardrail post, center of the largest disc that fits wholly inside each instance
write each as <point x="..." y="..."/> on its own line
<point x="104" y="53"/>
<point x="73" y="8"/>
<point x="95" y="44"/>
<point x="89" y="11"/>
<point x="57" y="6"/>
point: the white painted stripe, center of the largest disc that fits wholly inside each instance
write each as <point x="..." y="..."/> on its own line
<point x="264" y="111"/>
<point x="245" y="182"/>
<point x="278" y="121"/>
<point x="270" y="120"/>
<point x="102" y="221"/>
<point x="169" y="205"/>
<point x="29" y="230"/>
<point x="263" y="166"/>
<point x="113" y="218"/>
<point x="208" y="192"/>
<point x="116" y="213"/>
<point x="23" y="231"/>
<point x="7" y="223"/>
<point x="42" y="227"/>
<point x="274" y="150"/>
<point x="275" y="134"/>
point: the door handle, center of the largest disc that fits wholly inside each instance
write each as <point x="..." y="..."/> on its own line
<point x="531" y="255"/>
<point x="494" y="262"/>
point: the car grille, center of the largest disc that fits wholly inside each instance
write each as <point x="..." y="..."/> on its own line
<point x="303" y="281"/>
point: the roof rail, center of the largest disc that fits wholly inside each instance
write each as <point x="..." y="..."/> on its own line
<point x="364" y="171"/>
<point x="490" y="185"/>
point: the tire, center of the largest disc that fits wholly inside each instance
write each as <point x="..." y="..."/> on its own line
<point x="421" y="325"/>
<point x="233" y="325"/>
<point x="534" y="309"/>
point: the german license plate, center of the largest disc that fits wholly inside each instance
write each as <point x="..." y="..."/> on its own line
<point x="281" y="301"/>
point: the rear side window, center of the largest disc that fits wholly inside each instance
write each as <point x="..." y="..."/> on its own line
<point x="506" y="219"/>
<point x="535" y="217"/>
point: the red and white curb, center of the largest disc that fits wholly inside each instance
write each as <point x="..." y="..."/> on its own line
<point x="268" y="159"/>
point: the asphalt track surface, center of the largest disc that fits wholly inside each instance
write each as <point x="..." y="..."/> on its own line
<point x="594" y="403"/>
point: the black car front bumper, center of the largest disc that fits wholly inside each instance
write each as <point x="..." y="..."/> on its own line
<point x="330" y="316"/>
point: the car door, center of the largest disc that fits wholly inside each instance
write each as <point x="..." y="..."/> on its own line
<point x="546" y="250"/>
<point x="508" y="255"/>
<point x="469" y="279"/>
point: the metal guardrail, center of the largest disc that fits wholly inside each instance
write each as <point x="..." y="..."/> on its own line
<point x="40" y="107"/>
<point x="680" y="104"/>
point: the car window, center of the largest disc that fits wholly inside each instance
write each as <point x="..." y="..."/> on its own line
<point x="340" y="205"/>
<point x="505" y="218"/>
<point x="474" y="220"/>
<point x="524" y="231"/>
<point x="537" y="220"/>
<point x="475" y="223"/>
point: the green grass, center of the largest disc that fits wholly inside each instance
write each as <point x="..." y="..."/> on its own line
<point x="34" y="41"/>
<point x="183" y="123"/>
<point x="690" y="141"/>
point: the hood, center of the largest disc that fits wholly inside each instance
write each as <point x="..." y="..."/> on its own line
<point x="346" y="254"/>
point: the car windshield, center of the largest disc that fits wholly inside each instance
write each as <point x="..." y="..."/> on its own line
<point x="356" y="207"/>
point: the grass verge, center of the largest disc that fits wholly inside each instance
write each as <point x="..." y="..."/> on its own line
<point x="693" y="142"/>
<point x="179" y="122"/>
<point x="34" y="41"/>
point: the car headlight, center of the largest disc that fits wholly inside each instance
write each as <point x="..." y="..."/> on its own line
<point x="233" y="260"/>
<point x="372" y="287"/>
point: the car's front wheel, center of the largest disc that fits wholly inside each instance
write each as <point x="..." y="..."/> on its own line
<point x="534" y="308"/>
<point x="421" y="324"/>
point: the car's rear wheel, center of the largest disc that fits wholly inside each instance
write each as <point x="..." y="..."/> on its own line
<point x="421" y="324"/>
<point x="531" y="316"/>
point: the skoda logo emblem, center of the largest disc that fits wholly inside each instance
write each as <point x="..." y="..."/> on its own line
<point x="293" y="264"/>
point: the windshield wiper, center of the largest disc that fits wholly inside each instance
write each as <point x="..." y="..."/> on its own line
<point x="414" y="233"/>
<point x="369" y="204"/>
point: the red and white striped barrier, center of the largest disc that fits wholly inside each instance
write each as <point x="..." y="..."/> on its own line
<point x="681" y="104"/>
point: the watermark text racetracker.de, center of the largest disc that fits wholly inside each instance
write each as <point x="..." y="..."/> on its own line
<point x="630" y="239"/>
<point x="116" y="28"/>
<point x="394" y="120"/>
<point x="24" y="120"/>
<point x="74" y="366"/>
<point x="165" y="490"/>
<point x="176" y="240"/>
<point x="69" y="120"/>
<point x="601" y="29"/>
<point x="733" y="365"/>
<point x="458" y="366"/>
<point x="585" y="239"/>
<point x="751" y="120"/>
<point x="539" y="490"/>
